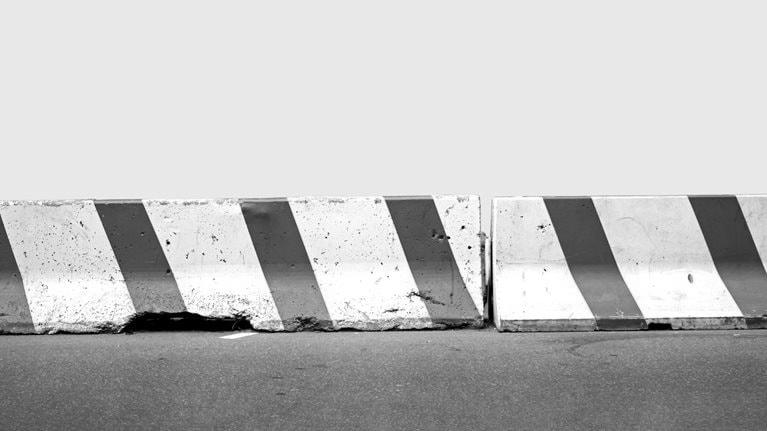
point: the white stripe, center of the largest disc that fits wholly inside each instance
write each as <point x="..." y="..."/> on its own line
<point x="208" y="247"/>
<point x="358" y="260"/>
<point x="755" y="212"/>
<point x="70" y="273"/>
<point x="238" y="335"/>
<point x="461" y="220"/>
<point x="663" y="257"/>
<point x="531" y="279"/>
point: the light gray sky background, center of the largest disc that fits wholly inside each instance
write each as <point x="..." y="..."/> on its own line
<point x="189" y="99"/>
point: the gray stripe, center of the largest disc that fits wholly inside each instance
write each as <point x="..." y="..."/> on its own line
<point x="735" y="255"/>
<point x="285" y="264"/>
<point x="14" y="308"/>
<point x="147" y="274"/>
<point x="592" y="263"/>
<point x="431" y="260"/>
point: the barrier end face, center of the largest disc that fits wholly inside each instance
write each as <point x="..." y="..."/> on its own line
<point x="485" y="274"/>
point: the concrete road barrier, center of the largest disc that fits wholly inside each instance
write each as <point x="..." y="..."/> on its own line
<point x="368" y="263"/>
<point x="623" y="263"/>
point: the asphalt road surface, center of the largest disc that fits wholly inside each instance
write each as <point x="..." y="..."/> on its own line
<point x="463" y="379"/>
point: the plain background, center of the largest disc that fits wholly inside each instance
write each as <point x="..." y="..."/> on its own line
<point x="187" y="99"/>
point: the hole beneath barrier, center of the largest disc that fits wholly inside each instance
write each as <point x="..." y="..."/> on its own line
<point x="659" y="326"/>
<point x="147" y="322"/>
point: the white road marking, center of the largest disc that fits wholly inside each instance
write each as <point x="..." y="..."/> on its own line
<point x="238" y="335"/>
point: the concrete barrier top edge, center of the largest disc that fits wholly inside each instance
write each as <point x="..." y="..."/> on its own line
<point x="527" y="197"/>
<point x="56" y="202"/>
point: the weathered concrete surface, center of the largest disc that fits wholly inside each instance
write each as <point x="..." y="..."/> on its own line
<point x="622" y="263"/>
<point x="71" y="279"/>
<point x="367" y="263"/>
<point x="428" y="380"/>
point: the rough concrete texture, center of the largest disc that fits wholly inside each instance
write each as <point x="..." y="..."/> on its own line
<point x="366" y="263"/>
<point x="611" y="263"/>
<point x="71" y="279"/>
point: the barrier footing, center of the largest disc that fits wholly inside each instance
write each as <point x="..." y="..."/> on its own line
<point x="547" y="325"/>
